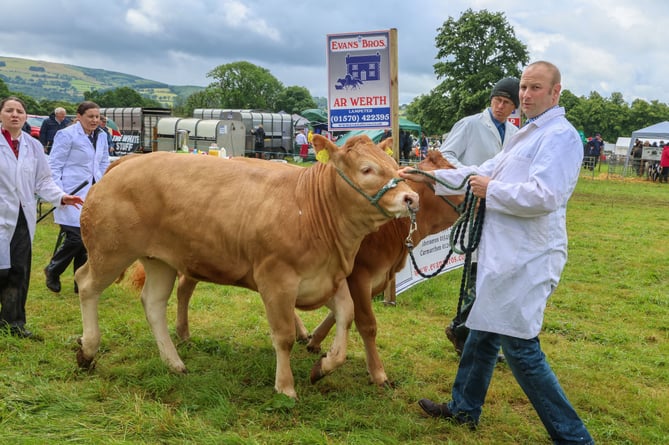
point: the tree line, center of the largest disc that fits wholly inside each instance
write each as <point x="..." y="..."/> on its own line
<point x="480" y="47"/>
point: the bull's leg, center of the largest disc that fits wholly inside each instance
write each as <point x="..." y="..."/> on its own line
<point x="342" y="307"/>
<point x="184" y="293"/>
<point x="280" y="311"/>
<point x="157" y="289"/>
<point x="92" y="278"/>
<point x="321" y="331"/>
<point x="365" y="323"/>
<point x="300" y="330"/>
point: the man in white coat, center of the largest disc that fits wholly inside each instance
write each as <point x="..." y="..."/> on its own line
<point x="472" y="141"/>
<point x="522" y="253"/>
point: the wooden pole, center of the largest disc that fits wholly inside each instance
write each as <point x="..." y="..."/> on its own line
<point x="389" y="294"/>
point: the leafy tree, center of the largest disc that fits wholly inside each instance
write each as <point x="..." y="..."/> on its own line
<point x="243" y="85"/>
<point x="474" y="52"/>
<point x="4" y="91"/>
<point x="294" y="99"/>
<point x="201" y="99"/>
<point x="120" y="97"/>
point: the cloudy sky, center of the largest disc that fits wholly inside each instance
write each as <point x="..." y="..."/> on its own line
<point x="599" y="45"/>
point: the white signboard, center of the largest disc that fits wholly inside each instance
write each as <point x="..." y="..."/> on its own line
<point x="358" y="81"/>
<point x="429" y="254"/>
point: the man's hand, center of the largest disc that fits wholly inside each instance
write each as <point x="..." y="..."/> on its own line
<point x="479" y="185"/>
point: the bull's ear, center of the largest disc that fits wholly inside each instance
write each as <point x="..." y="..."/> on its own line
<point x="387" y="145"/>
<point x="324" y="148"/>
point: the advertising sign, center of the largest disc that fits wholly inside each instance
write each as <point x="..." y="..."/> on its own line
<point x="358" y="81"/>
<point x="514" y="117"/>
<point x="429" y="254"/>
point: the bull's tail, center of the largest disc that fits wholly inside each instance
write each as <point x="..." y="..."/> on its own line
<point x="136" y="275"/>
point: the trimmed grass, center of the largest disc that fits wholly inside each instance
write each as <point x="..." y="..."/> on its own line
<point x="606" y="334"/>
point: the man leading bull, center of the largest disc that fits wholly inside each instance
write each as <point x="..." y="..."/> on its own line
<point x="522" y="253"/>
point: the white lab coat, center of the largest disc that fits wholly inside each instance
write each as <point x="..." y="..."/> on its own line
<point x="20" y="180"/>
<point x="73" y="161"/>
<point x="475" y="139"/>
<point x="523" y="247"/>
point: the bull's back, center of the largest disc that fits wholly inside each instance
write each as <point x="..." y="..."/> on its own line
<point x="165" y="204"/>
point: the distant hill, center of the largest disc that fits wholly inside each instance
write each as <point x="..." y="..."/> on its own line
<point x="57" y="81"/>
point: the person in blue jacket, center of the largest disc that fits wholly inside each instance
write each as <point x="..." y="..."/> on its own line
<point x="52" y="125"/>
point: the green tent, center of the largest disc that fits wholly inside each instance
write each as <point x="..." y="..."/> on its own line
<point x="315" y="116"/>
<point x="375" y="135"/>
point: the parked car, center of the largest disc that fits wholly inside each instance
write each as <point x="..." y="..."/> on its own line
<point x="35" y="123"/>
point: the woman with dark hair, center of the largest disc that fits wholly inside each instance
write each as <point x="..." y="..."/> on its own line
<point x="24" y="172"/>
<point x="79" y="155"/>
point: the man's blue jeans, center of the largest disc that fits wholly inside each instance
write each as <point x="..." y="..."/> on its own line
<point x="532" y="372"/>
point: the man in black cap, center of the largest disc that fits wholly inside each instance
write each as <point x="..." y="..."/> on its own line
<point x="472" y="141"/>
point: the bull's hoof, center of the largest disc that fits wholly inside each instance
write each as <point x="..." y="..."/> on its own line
<point x="83" y="362"/>
<point x="314" y="349"/>
<point x="317" y="371"/>
<point x="303" y="340"/>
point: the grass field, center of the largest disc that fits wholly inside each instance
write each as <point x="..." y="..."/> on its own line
<point x="606" y="334"/>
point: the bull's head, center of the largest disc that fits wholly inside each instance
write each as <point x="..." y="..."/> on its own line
<point x="369" y="170"/>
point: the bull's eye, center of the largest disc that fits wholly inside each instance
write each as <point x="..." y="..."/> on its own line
<point x="366" y="170"/>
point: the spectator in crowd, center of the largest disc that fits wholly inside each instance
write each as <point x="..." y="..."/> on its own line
<point x="303" y="143"/>
<point x="108" y="132"/>
<point x="24" y="173"/>
<point x="595" y="150"/>
<point x="423" y="146"/>
<point x="472" y="141"/>
<point x="405" y="145"/>
<point x="664" y="163"/>
<point x="637" y="153"/>
<point x="55" y="122"/>
<point x="386" y="134"/>
<point x="259" y="134"/>
<point x="526" y="187"/>
<point x="79" y="153"/>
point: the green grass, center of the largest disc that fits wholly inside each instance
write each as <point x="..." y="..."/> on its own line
<point x="606" y="334"/>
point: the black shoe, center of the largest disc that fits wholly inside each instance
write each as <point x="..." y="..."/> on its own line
<point x="21" y="332"/>
<point x="441" y="411"/>
<point x="52" y="282"/>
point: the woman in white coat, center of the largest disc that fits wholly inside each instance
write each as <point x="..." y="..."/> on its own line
<point x="24" y="172"/>
<point x="79" y="154"/>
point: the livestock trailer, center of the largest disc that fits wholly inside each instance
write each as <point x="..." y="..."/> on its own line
<point x="236" y="130"/>
<point x="188" y="134"/>
<point x="137" y="126"/>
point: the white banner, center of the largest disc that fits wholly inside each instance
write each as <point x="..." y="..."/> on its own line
<point x="429" y="254"/>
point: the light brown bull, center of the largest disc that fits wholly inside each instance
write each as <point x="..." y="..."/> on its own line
<point x="149" y="208"/>
<point x="382" y="254"/>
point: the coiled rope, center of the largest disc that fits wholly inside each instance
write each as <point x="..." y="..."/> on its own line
<point x="465" y="234"/>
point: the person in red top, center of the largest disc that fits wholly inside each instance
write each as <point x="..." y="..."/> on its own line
<point x="24" y="173"/>
<point x="664" y="163"/>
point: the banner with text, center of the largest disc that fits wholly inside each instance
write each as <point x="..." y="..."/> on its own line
<point x="430" y="254"/>
<point x="358" y="80"/>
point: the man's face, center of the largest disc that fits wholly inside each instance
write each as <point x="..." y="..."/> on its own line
<point x="537" y="92"/>
<point x="60" y="115"/>
<point x="501" y="108"/>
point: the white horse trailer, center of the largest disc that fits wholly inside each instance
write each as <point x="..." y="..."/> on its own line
<point x="137" y="126"/>
<point x="236" y="131"/>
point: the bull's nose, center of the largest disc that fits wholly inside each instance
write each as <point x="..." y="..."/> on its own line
<point x="411" y="200"/>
